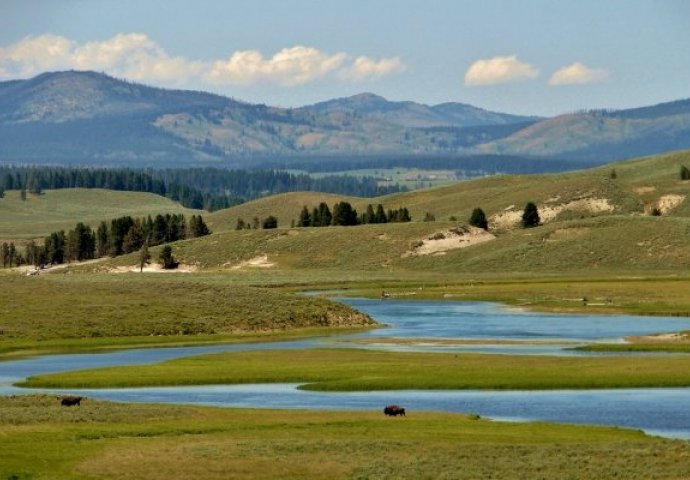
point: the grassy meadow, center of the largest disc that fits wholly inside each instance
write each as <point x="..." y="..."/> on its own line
<point x="72" y="312"/>
<point x="41" y="440"/>
<point x="365" y="370"/>
<point x="637" y="187"/>
<point x="54" y="210"/>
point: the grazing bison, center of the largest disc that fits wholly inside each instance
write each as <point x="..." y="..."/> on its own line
<point x="394" y="410"/>
<point x="69" y="401"/>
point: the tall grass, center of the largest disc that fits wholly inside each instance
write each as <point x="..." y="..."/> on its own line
<point x="104" y="440"/>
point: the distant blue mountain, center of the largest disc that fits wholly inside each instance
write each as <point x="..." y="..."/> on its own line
<point x="91" y="118"/>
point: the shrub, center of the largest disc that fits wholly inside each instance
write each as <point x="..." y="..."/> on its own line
<point x="478" y="219"/>
<point x="530" y="217"/>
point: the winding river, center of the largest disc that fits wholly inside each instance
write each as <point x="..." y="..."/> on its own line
<point x="424" y="326"/>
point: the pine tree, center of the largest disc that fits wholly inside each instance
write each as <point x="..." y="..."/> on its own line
<point x="5" y="252"/>
<point x="380" y="215"/>
<point x="325" y="216"/>
<point x="144" y="256"/>
<point x="269" y="222"/>
<point x="304" y="218"/>
<point x="530" y="217"/>
<point x="369" y="216"/>
<point x="344" y="214"/>
<point x="478" y="219"/>
<point x="316" y="218"/>
<point x="102" y="239"/>
<point x="166" y="258"/>
<point x="684" y="173"/>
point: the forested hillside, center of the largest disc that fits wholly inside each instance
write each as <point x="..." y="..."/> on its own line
<point x="208" y="188"/>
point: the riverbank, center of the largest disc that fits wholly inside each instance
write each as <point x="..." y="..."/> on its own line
<point x="104" y="439"/>
<point x="78" y="313"/>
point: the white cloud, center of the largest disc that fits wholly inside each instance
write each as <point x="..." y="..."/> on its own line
<point x="137" y="57"/>
<point x="35" y="54"/>
<point x="365" y="67"/>
<point x="578" y="74"/>
<point x="290" y="66"/>
<point x="497" y="70"/>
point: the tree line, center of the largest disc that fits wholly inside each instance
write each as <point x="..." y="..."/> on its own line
<point x="344" y="214"/>
<point x="121" y="236"/>
<point x="199" y="188"/>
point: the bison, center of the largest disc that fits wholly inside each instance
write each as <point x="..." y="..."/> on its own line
<point x="394" y="410"/>
<point x="69" y="401"/>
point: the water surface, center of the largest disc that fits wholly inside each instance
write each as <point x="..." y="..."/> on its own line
<point x="662" y="411"/>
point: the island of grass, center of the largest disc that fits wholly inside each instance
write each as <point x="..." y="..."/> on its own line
<point x="41" y="439"/>
<point x="58" y="313"/>
<point x="366" y="370"/>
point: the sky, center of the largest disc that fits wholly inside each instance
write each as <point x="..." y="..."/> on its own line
<point x="537" y="57"/>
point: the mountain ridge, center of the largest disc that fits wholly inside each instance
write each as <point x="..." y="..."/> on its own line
<point x="91" y="118"/>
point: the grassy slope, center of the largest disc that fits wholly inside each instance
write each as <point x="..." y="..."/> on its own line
<point x="363" y="370"/>
<point x="625" y="241"/>
<point x="55" y="210"/>
<point x="494" y="194"/>
<point x="102" y="440"/>
<point x="57" y="312"/>
<point x="285" y="207"/>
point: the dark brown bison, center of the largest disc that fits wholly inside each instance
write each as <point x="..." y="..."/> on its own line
<point x="394" y="410"/>
<point x="70" y="400"/>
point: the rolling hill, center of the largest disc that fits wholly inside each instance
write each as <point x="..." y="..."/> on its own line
<point x="592" y="221"/>
<point x="90" y="118"/>
<point x="596" y="221"/>
<point x="415" y="115"/>
<point x="53" y="210"/>
<point x="602" y="135"/>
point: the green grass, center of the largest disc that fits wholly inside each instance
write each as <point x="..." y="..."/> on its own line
<point x="662" y="296"/>
<point x="638" y="186"/>
<point x="54" y="210"/>
<point x="364" y="370"/>
<point x="41" y="440"/>
<point x="637" y="347"/>
<point x="57" y="312"/>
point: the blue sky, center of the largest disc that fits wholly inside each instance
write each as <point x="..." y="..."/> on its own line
<point x="529" y="57"/>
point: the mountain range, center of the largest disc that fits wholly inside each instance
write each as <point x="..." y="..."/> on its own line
<point x="91" y="118"/>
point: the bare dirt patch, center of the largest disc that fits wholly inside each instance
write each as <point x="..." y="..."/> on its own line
<point x="643" y="190"/>
<point x="441" y="242"/>
<point x="257" y="262"/>
<point x="155" y="268"/>
<point x="660" y="338"/>
<point x="666" y="203"/>
<point x="509" y="218"/>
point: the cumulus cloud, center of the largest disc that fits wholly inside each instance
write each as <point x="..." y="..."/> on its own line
<point x="137" y="57"/>
<point x="35" y="54"/>
<point x="365" y="67"/>
<point x="290" y="66"/>
<point x="497" y="70"/>
<point x="578" y="74"/>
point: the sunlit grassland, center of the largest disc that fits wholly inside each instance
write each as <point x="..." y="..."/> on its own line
<point x="653" y="295"/>
<point x="591" y="247"/>
<point x="365" y="370"/>
<point x="69" y="312"/>
<point x="638" y="185"/>
<point x="40" y="439"/>
<point x="53" y="210"/>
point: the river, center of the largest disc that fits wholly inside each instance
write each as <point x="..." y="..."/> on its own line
<point x="425" y="326"/>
